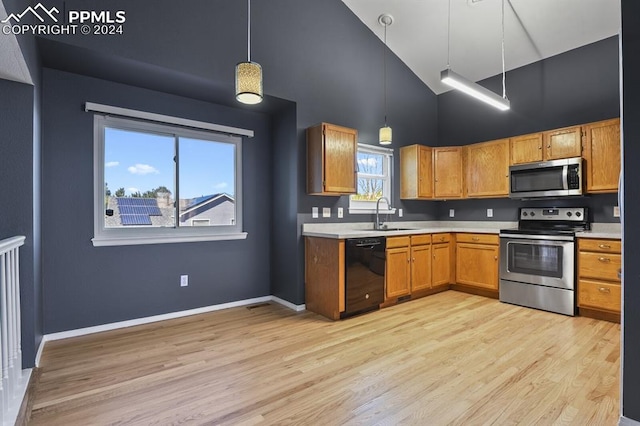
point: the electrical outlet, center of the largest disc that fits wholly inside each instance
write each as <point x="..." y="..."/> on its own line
<point x="452" y="213"/>
<point x="326" y="212"/>
<point x="184" y="280"/>
<point x="340" y="212"/>
<point x="314" y="212"/>
<point x="489" y="212"/>
<point x="399" y="212"/>
<point x="616" y="211"/>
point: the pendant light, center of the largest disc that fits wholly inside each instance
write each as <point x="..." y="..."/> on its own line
<point x="474" y="89"/>
<point x="385" y="134"/>
<point x="249" y="74"/>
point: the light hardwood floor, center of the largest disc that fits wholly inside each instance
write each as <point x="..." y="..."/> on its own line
<point x="450" y="358"/>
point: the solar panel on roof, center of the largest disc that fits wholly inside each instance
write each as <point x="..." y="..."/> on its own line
<point x="135" y="219"/>
<point x="148" y="206"/>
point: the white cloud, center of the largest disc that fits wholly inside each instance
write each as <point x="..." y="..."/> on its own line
<point x="221" y="185"/>
<point x="142" y="169"/>
<point x="112" y="164"/>
<point x="371" y="162"/>
<point x="132" y="190"/>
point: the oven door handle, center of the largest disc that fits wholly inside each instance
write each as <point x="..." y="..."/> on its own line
<point x="538" y="237"/>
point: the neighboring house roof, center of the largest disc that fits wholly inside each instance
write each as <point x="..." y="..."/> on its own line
<point x="205" y="202"/>
<point x="130" y="211"/>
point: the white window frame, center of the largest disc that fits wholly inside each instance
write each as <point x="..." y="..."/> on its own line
<point x="369" y="207"/>
<point x="157" y="235"/>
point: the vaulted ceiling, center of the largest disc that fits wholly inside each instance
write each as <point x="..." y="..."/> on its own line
<point x="533" y="30"/>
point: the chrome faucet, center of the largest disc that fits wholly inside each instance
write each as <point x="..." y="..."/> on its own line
<point x="379" y="225"/>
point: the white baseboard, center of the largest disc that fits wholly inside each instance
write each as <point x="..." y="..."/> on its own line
<point x="155" y="318"/>
<point x="624" y="421"/>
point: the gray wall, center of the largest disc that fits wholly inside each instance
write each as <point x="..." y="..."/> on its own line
<point x="631" y="229"/>
<point x="86" y="285"/>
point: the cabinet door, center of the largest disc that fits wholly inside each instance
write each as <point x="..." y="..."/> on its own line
<point x="425" y="172"/>
<point x="398" y="272"/>
<point x="447" y="166"/>
<point x="420" y="267"/>
<point x="602" y="155"/>
<point x="340" y="151"/>
<point x="526" y="148"/>
<point x="477" y="265"/>
<point x="416" y="172"/>
<point x="563" y="143"/>
<point x="488" y="169"/>
<point x="441" y="267"/>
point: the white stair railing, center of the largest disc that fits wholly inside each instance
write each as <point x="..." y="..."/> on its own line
<point x="13" y="382"/>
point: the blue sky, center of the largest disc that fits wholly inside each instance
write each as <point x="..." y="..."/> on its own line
<point x="141" y="161"/>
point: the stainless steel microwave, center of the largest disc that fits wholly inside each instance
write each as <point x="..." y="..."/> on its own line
<point x="556" y="178"/>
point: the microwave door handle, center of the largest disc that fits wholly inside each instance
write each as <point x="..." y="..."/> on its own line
<point x="565" y="177"/>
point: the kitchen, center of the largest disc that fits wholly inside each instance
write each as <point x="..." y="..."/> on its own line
<point x="449" y="117"/>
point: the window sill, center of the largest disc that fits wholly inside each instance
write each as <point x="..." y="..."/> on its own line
<point x="371" y="211"/>
<point x="128" y="241"/>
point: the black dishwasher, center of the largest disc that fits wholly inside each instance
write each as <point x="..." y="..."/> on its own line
<point x="364" y="275"/>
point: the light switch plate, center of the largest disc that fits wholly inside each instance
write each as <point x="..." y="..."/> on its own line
<point x="399" y="212"/>
<point x="489" y="212"/>
<point x="452" y="213"/>
<point x="326" y="212"/>
<point x="314" y="212"/>
<point x="340" y="212"/>
<point x="616" y="211"/>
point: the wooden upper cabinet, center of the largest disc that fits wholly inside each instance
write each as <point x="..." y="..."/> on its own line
<point x="331" y="160"/>
<point x="563" y="143"/>
<point x="602" y="155"/>
<point x="416" y="172"/>
<point x="526" y="148"/>
<point x="488" y="169"/>
<point x="447" y="172"/>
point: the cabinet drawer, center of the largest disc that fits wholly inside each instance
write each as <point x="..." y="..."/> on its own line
<point x="397" y="242"/>
<point x="420" y="239"/>
<point x="478" y="238"/>
<point x="440" y="238"/>
<point x="594" y="294"/>
<point x="601" y="246"/>
<point x="599" y="265"/>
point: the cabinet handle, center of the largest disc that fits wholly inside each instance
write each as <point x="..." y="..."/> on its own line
<point x="604" y="246"/>
<point x="413" y="259"/>
<point x="548" y="146"/>
<point x="475" y="239"/>
<point x="540" y="147"/>
<point x="604" y="259"/>
<point x="495" y="257"/>
<point x="604" y="290"/>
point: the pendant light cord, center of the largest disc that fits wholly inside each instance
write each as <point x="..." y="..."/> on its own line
<point x="504" y="86"/>
<point x="249" y="31"/>
<point x="449" y="37"/>
<point x="384" y="60"/>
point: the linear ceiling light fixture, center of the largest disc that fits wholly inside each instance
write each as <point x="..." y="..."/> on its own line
<point x="249" y="74"/>
<point x="385" y="134"/>
<point x="474" y="89"/>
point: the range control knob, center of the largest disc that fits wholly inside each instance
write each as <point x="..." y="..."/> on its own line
<point x="532" y="214"/>
<point x="569" y="214"/>
<point x="578" y="214"/>
<point x="525" y="214"/>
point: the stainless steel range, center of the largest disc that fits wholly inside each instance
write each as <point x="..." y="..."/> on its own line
<point x="537" y="260"/>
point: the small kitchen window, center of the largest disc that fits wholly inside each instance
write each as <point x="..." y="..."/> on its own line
<point x="374" y="165"/>
<point x="160" y="183"/>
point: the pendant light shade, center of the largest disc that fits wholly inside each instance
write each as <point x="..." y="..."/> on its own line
<point x="249" y="82"/>
<point x="249" y="74"/>
<point x="385" y="134"/>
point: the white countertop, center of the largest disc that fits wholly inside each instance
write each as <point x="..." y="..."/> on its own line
<point x="365" y="229"/>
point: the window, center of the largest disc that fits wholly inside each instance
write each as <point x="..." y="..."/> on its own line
<point x="374" y="179"/>
<point x="156" y="183"/>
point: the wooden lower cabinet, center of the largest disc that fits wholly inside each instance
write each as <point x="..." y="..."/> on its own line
<point x="420" y="267"/>
<point x="324" y="276"/>
<point x="477" y="262"/>
<point x="441" y="249"/>
<point x="398" y="272"/>
<point x="599" y="290"/>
